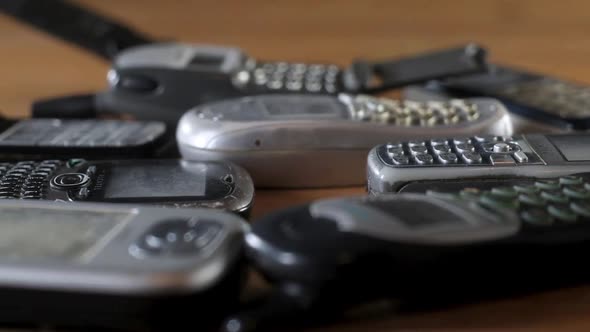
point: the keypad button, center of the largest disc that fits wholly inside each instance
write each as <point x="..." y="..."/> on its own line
<point x="416" y="143"/>
<point x="570" y="180"/>
<point x="395" y="151"/>
<point x="447" y="158"/>
<point x="486" y="138"/>
<point x="562" y="213"/>
<point x="471" y="157"/>
<point x="536" y="217"/>
<point x="438" y="141"/>
<point x="442" y="148"/>
<point x="470" y="194"/>
<point x="461" y="140"/>
<point x="548" y="184"/>
<point x="465" y="148"/>
<point x="577" y="192"/>
<point x="507" y="192"/>
<point x="498" y="202"/>
<point x="532" y="199"/>
<point x="400" y="160"/>
<point x="555" y="197"/>
<point x="423" y="159"/>
<point x="394" y="145"/>
<point x="501" y="160"/>
<point x="581" y="207"/>
<point x="418" y="149"/>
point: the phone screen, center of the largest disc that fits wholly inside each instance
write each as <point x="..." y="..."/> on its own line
<point x="46" y="233"/>
<point x="572" y="147"/>
<point x="159" y="180"/>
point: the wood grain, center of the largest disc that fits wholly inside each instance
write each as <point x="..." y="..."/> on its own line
<point x="543" y="35"/>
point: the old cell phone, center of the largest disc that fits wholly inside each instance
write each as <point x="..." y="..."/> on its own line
<point x="162" y="80"/>
<point x="123" y="267"/>
<point x="540" y="99"/>
<point x="50" y="138"/>
<point x="394" y="165"/>
<point x="420" y="249"/>
<point x="315" y="141"/>
<point x="166" y="182"/>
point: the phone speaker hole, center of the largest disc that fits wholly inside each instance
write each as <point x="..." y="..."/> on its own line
<point x="257" y="143"/>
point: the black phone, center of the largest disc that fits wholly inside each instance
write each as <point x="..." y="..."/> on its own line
<point x="425" y="249"/>
<point x="88" y="138"/>
<point x="536" y="99"/>
<point x="165" y="182"/>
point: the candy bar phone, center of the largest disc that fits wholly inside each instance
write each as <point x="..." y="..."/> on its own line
<point x="104" y="139"/>
<point x="462" y="159"/>
<point x="116" y="266"/>
<point x="425" y="249"/>
<point x="537" y="99"/>
<point x="167" y="182"/>
<point x="316" y="141"/>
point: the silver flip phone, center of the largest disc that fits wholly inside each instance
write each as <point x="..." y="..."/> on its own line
<point x="466" y="159"/>
<point x="116" y="266"/>
<point x="318" y="141"/>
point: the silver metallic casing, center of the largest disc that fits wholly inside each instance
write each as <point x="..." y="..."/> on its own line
<point x="312" y="141"/>
<point x="545" y="161"/>
<point x="113" y="269"/>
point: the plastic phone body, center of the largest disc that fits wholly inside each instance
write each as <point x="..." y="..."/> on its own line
<point x="419" y="249"/>
<point x="164" y="182"/>
<point x="539" y="102"/>
<point x="478" y="157"/>
<point x="161" y="81"/>
<point x="104" y="139"/>
<point x="318" y="141"/>
<point x="117" y="266"/>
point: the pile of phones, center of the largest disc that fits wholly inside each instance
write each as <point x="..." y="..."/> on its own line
<point x="140" y="223"/>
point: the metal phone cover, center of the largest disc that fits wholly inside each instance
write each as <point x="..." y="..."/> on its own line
<point x="307" y="135"/>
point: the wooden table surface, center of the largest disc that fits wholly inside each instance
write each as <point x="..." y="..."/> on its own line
<point x="547" y="36"/>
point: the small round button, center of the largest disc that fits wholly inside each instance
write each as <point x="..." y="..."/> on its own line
<point x="555" y="197"/>
<point x="507" y="192"/>
<point x="416" y="143"/>
<point x="581" y="207"/>
<point x="531" y="199"/>
<point x="395" y="151"/>
<point x="501" y="147"/>
<point x="68" y="181"/>
<point x="576" y="192"/>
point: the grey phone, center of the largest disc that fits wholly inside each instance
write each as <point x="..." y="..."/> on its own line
<point x="116" y="266"/>
<point x="318" y="141"/>
<point x="393" y="165"/>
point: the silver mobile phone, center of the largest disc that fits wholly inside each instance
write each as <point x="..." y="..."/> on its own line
<point x="463" y="160"/>
<point x="317" y="141"/>
<point x="116" y="266"/>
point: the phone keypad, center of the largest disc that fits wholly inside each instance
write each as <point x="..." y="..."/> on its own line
<point x="80" y="133"/>
<point x="460" y="151"/>
<point x="564" y="99"/>
<point x="296" y="77"/>
<point x="409" y="113"/>
<point x="561" y="201"/>
<point x="26" y="179"/>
